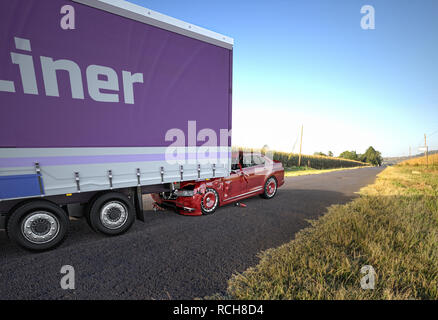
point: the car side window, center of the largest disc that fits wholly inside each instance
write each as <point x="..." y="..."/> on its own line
<point x="234" y="163"/>
<point x="257" y="160"/>
<point x="247" y="161"/>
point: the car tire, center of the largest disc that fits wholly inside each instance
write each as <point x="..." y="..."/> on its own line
<point x="209" y="201"/>
<point x="270" y="188"/>
<point x="111" y="213"/>
<point x="38" y="225"/>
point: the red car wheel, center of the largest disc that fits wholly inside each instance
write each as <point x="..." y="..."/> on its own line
<point x="270" y="188"/>
<point x="210" y="201"/>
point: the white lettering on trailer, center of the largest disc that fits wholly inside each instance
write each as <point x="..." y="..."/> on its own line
<point x="128" y="82"/>
<point x="50" y="67"/>
<point x="94" y="84"/>
<point x="7" y="86"/>
<point x="25" y="64"/>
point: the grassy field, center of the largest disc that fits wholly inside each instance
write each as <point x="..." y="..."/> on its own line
<point x="433" y="161"/>
<point x="302" y="171"/>
<point x="392" y="226"/>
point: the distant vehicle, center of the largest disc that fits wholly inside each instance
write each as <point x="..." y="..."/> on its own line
<point x="251" y="174"/>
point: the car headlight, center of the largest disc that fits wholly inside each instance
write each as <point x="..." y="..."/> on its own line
<point x="185" y="193"/>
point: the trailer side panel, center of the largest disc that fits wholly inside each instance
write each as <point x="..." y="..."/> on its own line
<point x="91" y="108"/>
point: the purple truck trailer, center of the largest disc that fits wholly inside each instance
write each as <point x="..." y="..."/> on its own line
<point x="101" y="102"/>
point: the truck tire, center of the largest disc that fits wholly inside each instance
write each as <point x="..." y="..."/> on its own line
<point x="111" y="213"/>
<point x="38" y="225"/>
<point x="209" y="201"/>
<point x="270" y="188"/>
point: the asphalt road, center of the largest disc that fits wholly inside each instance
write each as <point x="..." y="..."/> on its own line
<point x="173" y="256"/>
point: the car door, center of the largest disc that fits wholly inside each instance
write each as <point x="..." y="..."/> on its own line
<point x="254" y="171"/>
<point x="236" y="183"/>
<point x="260" y="170"/>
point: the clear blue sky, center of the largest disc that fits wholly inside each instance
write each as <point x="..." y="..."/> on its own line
<point x="309" y="62"/>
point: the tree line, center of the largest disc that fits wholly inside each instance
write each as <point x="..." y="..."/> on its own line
<point x="371" y="156"/>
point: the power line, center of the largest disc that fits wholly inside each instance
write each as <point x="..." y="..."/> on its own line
<point x="420" y="144"/>
<point x="431" y="134"/>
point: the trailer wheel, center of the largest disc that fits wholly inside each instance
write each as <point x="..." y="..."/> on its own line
<point x="38" y="225"/>
<point x="270" y="189"/>
<point x="111" y="214"/>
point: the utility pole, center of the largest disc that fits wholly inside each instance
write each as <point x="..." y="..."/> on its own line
<point x="301" y="145"/>
<point x="410" y="154"/>
<point x="426" y="150"/>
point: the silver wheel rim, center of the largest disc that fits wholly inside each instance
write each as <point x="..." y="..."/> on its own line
<point x="114" y="215"/>
<point x="271" y="193"/>
<point x="40" y="227"/>
<point x="207" y="199"/>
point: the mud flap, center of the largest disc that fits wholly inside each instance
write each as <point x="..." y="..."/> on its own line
<point x="139" y="204"/>
<point x="2" y="222"/>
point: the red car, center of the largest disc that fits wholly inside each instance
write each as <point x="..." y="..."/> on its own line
<point x="251" y="174"/>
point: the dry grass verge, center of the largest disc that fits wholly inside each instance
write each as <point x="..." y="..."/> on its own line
<point x="392" y="226"/>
